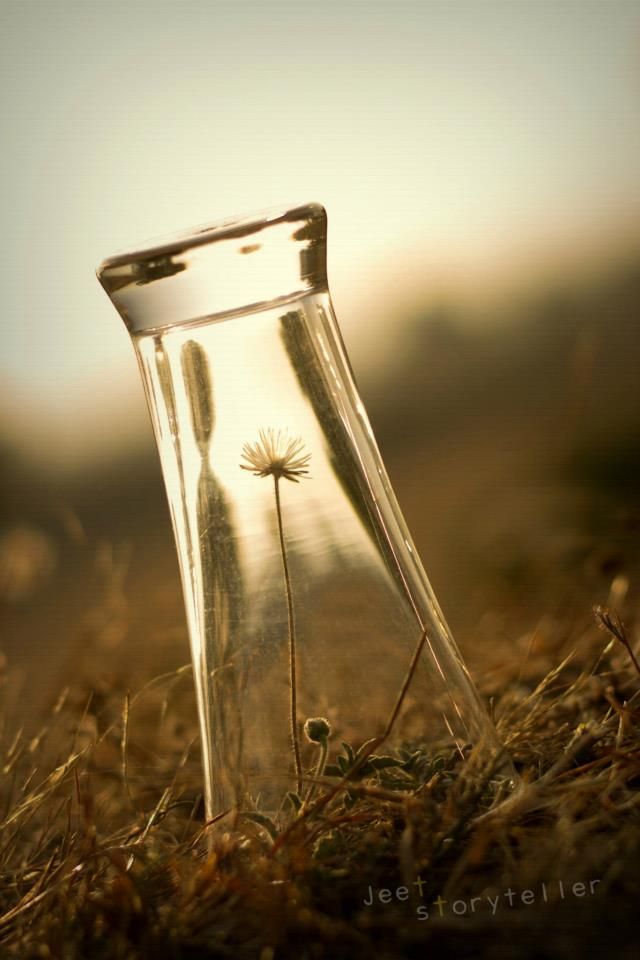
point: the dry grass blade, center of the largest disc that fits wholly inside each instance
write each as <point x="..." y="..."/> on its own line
<point x="610" y="621"/>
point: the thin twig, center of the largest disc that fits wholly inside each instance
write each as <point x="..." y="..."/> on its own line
<point x="405" y="686"/>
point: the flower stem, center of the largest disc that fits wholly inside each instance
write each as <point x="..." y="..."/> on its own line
<point x="322" y="762"/>
<point x="292" y="644"/>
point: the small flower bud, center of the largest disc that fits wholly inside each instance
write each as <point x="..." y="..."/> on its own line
<point x="317" y="729"/>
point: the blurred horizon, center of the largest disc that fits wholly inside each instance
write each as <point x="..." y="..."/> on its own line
<point x="463" y="152"/>
<point x="111" y="425"/>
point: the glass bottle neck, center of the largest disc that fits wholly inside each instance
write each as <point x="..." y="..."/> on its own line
<point x="219" y="269"/>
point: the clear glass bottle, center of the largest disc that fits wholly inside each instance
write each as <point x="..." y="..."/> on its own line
<point x="304" y="594"/>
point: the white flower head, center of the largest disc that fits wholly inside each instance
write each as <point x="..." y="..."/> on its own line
<point x="276" y="455"/>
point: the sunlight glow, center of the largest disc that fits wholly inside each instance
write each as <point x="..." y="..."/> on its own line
<point x="449" y="143"/>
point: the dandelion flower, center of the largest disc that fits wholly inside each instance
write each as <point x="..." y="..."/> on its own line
<point x="276" y="455"/>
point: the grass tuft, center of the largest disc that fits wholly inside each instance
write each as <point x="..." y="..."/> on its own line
<point x="104" y="851"/>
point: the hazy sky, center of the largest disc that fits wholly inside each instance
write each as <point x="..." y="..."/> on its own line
<point x="437" y="134"/>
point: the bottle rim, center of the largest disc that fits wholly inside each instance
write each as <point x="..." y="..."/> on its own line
<point x="245" y="225"/>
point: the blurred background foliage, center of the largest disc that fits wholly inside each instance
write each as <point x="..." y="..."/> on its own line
<point x="513" y="449"/>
